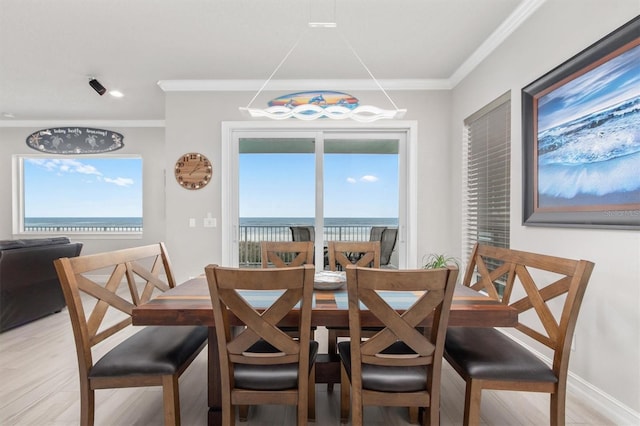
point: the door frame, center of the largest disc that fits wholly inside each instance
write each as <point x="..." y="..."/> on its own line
<point x="229" y="227"/>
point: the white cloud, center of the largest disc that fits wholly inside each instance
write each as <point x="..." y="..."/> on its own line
<point x="66" y="166"/>
<point x="351" y="180"/>
<point x="368" y="178"/>
<point x="120" y="181"/>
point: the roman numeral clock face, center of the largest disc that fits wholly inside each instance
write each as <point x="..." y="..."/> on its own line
<point x="193" y="171"/>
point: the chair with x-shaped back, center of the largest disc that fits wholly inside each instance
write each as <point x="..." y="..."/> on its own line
<point x="342" y="254"/>
<point x="284" y="254"/>
<point x="401" y="364"/>
<point x="153" y="356"/>
<point x="261" y="364"/>
<point x="487" y="358"/>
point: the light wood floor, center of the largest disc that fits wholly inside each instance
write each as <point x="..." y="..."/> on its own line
<point x="38" y="372"/>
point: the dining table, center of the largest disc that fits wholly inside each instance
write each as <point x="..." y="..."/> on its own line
<point x="190" y="304"/>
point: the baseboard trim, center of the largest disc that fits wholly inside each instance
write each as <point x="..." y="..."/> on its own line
<point x="610" y="407"/>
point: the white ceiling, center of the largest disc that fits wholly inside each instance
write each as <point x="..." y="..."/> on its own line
<point x="49" y="48"/>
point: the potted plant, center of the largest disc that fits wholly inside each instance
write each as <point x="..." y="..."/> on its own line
<point x="434" y="261"/>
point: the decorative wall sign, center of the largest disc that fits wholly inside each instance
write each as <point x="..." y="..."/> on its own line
<point x="581" y="135"/>
<point x="75" y="140"/>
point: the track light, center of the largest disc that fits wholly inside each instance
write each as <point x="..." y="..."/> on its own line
<point x="99" y="88"/>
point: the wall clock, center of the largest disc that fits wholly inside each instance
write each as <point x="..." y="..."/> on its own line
<point x="193" y="170"/>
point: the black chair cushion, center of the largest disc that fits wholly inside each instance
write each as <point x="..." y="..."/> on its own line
<point x="486" y="353"/>
<point x="151" y="351"/>
<point x="387" y="378"/>
<point x="362" y="328"/>
<point x="270" y="377"/>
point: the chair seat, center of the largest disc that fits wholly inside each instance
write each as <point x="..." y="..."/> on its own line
<point x="486" y="353"/>
<point x="151" y="351"/>
<point x="361" y="328"/>
<point x="387" y="378"/>
<point x="276" y="377"/>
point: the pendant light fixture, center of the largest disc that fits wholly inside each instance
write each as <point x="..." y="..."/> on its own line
<point x="310" y="111"/>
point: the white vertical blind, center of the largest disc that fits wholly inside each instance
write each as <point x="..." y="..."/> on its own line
<point x="487" y="168"/>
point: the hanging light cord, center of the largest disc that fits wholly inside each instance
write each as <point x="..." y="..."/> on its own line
<point x="351" y="48"/>
<point x="344" y="39"/>
<point x="295" y="45"/>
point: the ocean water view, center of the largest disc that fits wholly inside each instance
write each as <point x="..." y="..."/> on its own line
<point x="328" y="221"/>
<point x="83" y="224"/>
<point x="274" y="228"/>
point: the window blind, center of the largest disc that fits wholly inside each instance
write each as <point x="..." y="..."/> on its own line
<point x="487" y="180"/>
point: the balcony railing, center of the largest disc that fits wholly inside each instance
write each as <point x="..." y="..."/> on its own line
<point x="250" y="237"/>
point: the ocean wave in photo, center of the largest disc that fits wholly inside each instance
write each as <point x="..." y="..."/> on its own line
<point x="602" y="136"/>
<point x="597" y="155"/>
<point x="620" y="176"/>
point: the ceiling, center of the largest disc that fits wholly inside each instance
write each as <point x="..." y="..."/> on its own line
<point x="48" y="49"/>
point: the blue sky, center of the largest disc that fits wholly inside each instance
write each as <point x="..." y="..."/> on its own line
<point x="283" y="185"/>
<point x="83" y="187"/>
<point x="271" y="185"/>
<point x="606" y="85"/>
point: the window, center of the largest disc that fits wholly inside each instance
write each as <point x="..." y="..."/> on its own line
<point x="67" y="195"/>
<point x="339" y="138"/>
<point x="487" y="168"/>
<point x="340" y="184"/>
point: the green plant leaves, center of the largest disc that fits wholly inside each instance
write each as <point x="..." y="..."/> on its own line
<point x="435" y="261"/>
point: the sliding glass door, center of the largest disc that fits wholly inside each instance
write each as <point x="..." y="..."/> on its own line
<point x="322" y="185"/>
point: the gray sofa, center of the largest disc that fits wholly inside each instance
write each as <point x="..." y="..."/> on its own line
<point x="29" y="286"/>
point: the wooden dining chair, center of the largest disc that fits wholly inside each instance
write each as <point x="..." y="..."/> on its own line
<point x="488" y="359"/>
<point x="101" y="290"/>
<point x="400" y="365"/>
<point x="359" y="253"/>
<point x="283" y="254"/>
<point x="342" y="254"/>
<point x="262" y="364"/>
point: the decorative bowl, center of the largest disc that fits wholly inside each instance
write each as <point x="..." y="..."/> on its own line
<point x="329" y="280"/>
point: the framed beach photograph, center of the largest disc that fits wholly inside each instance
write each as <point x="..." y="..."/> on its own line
<point x="581" y="136"/>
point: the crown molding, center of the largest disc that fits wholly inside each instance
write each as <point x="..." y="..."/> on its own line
<point x="519" y="15"/>
<point x="347" y="84"/>
<point x="82" y="123"/>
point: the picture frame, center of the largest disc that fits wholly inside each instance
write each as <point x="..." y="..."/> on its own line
<point x="581" y="138"/>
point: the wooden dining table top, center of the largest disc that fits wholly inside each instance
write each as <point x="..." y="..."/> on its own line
<point x="190" y="304"/>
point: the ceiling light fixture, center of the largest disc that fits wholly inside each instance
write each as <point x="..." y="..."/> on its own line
<point x="95" y="85"/>
<point x="362" y="113"/>
<point x="116" y="93"/>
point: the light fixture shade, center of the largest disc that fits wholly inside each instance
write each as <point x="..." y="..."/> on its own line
<point x="308" y="112"/>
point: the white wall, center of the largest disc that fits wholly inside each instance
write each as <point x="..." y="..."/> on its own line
<point x="607" y="336"/>
<point x="147" y="142"/>
<point x="608" y="330"/>
<point x="193" y="124"/>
